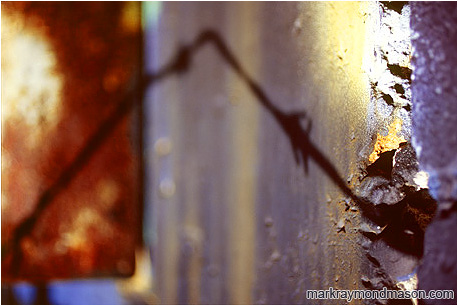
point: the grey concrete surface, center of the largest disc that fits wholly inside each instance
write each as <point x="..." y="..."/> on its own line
<point x="434" y="133"/>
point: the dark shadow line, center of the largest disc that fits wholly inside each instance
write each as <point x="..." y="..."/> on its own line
<point x="291" y="123"/>
<point x="82" y="158"/>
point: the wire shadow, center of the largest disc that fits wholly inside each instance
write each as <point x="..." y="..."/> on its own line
<point x="295" y="125"/>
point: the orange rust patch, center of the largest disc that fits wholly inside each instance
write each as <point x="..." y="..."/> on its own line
<point x="388" y="142"/>
<point x="68" y="66"/>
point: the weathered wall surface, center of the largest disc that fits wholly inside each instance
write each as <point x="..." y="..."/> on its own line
<point x="276" y="143"/>
<point x="434" y="131"/>
<point x="237" y="218"/>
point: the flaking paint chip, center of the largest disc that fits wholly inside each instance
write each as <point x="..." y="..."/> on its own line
<point x="341" y="225"/>
<point x="388" y="142"/>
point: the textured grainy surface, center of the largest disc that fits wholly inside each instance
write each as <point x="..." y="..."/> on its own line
<point x="69" y="205"/>
<point x="434" y="101"/>
<point x="390" y="57"/>
<point x="438" y="268"/>
<point x="246" y="223"/>
<point x="262" y="128"/>
<point x="434" y="133"/>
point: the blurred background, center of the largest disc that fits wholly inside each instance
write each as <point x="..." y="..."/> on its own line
<point x="224" y="152"/>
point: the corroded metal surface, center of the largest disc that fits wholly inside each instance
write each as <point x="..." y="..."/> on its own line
<point x="276" y="149"/>
<point x="284" y="166"/>
<point x="70" y="176"/>
<point x="259" y="188"/>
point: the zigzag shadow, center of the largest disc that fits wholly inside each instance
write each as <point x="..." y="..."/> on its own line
<point x="295" y="126"/>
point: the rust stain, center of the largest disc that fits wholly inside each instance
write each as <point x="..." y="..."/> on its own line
<point x="388" y="142"/>
<point x="65" y="68"/>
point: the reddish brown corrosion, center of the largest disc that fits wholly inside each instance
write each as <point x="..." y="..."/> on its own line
<point x="91" y="227"/>
<point x="389" y="142"/>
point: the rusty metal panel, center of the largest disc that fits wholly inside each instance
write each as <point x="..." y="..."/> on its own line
<point x="70" y="139"/>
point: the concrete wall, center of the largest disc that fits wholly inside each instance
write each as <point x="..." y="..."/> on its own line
<point x="434" y="114"/>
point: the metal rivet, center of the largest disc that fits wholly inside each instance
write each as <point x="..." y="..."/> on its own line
<point x="163" y="146"/>
<point x="167" y="188"/>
